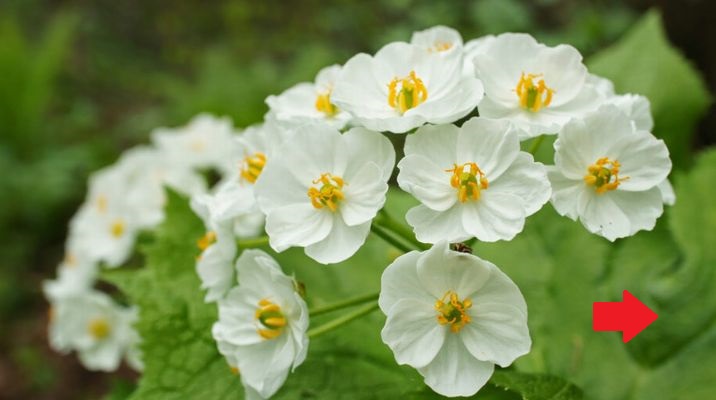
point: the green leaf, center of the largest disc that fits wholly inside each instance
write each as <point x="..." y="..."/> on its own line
<point x="536" y="387"/>
<point x="644" y="62"/>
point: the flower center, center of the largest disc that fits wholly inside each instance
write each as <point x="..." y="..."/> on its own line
<point x="406" y="93"/>
<point x="207" y="240"/>
<point x="102" y="203"/>
<point x="324" y="105"/>
<point x="440" y="46"/>
<point x="604" y="175"/>
<point x="99" y="328"/>
<point x="330" y="193"/>
<point x="452" y="311"/>
<point x="271" y="318"/>
<point x="252" y="166"/>
<point x="533" y="97"/>
<point x="469" y="180"/>
<point x="117" y="228"/>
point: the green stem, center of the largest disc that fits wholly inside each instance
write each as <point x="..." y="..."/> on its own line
<point x="389" y="223"/>
<point x="536" y="144"/>
<point x="343" y="304"/>
<point x="381" y="232"/>
<point x="253" y="242"/>
<point x="331" y="325"/>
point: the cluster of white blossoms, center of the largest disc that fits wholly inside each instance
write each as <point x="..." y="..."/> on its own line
<point x="315" y="174"/>
<point x="123" y="200"/>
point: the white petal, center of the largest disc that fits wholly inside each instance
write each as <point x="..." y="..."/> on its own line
<point x="413" y="333"/>
<point x="644" y="159"/>
<point x="526" y="179"/>
<point x="364" y="195"/>
<point x="620" y="213"/>
<point x="400" y="281"/>
<point x="496" y="216"/>
<point x="565" y="193"/>
<point x="265" y="366"/>
<point x="497" y="332"/>
<point x="368" y="146"/>
<point x="297" y="225"/>
<point x="667" y="193"/>
<point x="455" y="372"/>
<point x="428" y="182"/>
<point x="433" y="226"/>
<point x="340" y="244"/>
<point x="441" y="270"/>
<point x="492" y="144"/>
<point x="437" y="143"/>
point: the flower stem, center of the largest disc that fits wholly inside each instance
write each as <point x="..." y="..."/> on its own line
<point x="253" y="242"/>
<point x="536" y="144"/>
<point x="390" y="224"/>
<point x="381" y="232"/>
<point x="343" y="304"/>
<point x="331" y="325"/>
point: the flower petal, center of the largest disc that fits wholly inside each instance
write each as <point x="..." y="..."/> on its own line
<point x="297" y="225"/>
<point x="441" y="270"/>
<point x="526" y="179"/>
<point x="496" y="216"/>
<point x="413" y="333"/>
<point x="400" y="281"/>
<point x="497" y="332"/>
<point x="492" y="144"/>
<point x="433" y="226"/>
<point x="364" y="195"/>
<point x="428" y="182"/>
<point x="340" y="244"/>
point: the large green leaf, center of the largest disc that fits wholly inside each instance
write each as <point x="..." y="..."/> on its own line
<point x="644" y="62"/>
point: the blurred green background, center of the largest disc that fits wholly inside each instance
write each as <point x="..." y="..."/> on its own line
<point x="82" y="80"/>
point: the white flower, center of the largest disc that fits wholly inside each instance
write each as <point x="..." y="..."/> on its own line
<point x="452" y="316"/>
<point x="93" y="325"/>
<point x="310" y="102"/>
<point x="76" y="274"/>
<point x="205" y="142"/>
<point x="607" y="173"/>
<point x="323" y="189"/>
<point x="262" y="324"/>
<point x="538" y="88"/>
<point x="475" y="48"/>
<point x="438" y="39"/>
<point x="403" y="87"/>
<point x="215" y="264"/>
<point x="472" y="181"/>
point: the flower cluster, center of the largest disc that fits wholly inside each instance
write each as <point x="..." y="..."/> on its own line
<point x="315" y="175"/>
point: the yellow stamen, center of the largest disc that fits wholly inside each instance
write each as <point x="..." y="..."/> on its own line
<point x="452" y="311"/>
<point x="533" y="97"/>
<point x="271" y="318"/>
<point x="99" y="328"/>
<point x="330" y="194"/>
<point x="324" y="105"/>
<point x="440" y="46"/>
<point x="117" y="228"/>
<point x="412" y="92"/>
<point x="469" y="180"/>
<point x="235" y="370"/>
<point x="252" y="166"/>
<point x="102" y="203"/>
<point x="604" y="175"/>
<point x="207" y="240"/>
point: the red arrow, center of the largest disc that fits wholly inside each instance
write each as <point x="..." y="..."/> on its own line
<point x="630" y="316"/>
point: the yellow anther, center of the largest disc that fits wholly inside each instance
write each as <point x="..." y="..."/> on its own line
<point x="452" y="311"/>
<point x="604" y="175"/>
<point x="235" y="370"/>
<point x="207" y="240"/>
<point x="99" y="328"/>
<point x="102" y="203"/>
<point x="406" y="93"/>
<point x="533" y="96"/>
<point x="440" y="46"/>
<point x="252" y="166"/>
<point x="324" y="105"/>
<point x="117" y="228"/>
<point x="330" y="193"/>
<point x="469" y="180"/>
<point x="271" y="319"/>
